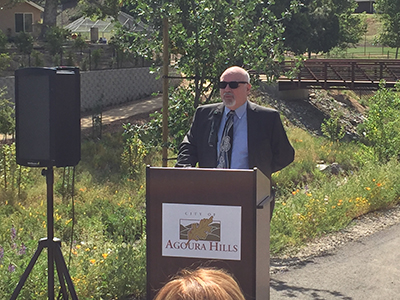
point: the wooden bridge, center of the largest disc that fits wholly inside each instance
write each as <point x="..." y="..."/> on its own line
<point x="353" y="74"/>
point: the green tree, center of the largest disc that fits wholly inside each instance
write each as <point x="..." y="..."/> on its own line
<point x="55" y="38"/>
<point x="208" y="36"/>
<point x="101" y="9"/>
<point x="319" y="26"/>
<point x="24" y="43"/>
<point x="388" y="12"/>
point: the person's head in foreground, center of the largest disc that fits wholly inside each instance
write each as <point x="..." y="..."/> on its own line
<point x="201" y="284"/>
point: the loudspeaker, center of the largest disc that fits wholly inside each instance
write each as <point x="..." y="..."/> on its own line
<point x="47" y="113"/>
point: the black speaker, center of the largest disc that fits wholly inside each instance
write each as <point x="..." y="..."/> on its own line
<point x="47" y="111"/>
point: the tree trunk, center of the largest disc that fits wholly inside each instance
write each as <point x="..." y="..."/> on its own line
<point x="49" y="15"/>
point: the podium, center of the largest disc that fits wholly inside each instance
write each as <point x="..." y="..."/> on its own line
<point x="199" y="217"/>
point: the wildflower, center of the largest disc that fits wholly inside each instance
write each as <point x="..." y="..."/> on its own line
<point x="104" y="255"/>
<point x="92" y="261"/>
<point x="11" y="268"/>
<point x="13" y="233"/>
<point x="283" y="203"/>
<point x="22" y="250"/>
<point x="1" y="253"/>
<point x="379" y="184"/>
<point x="87" y="249"/>
<point x="78" y="246"/>
<point x="367" y="188"/>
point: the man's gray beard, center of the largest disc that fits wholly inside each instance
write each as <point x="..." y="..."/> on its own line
<point x="229" y="103"/>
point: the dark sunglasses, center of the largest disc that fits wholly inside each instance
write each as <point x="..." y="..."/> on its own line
<point x="232" y="84"/>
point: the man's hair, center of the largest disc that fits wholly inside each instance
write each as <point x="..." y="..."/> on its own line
<point x="201" y="284"/>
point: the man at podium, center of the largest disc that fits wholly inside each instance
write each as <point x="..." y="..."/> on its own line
<point x="236" y="133"/>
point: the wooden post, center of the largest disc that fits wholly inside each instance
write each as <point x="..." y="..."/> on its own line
<point x="165" y="93"/>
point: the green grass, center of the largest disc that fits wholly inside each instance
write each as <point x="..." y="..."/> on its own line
<point x="318" y="202"/>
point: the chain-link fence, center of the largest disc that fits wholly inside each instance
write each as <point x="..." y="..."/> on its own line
<point x="104" y="88"/>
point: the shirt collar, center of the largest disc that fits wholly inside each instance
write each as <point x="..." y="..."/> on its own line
<point x="240" y="111"/>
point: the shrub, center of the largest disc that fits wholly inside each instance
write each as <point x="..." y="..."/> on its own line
<point x="96" y="55"/>
<point x="380" y="130"/>
<point x="7" y="114"/>
<point x="5" y="61"/>
<point x="332" y="129"/>
<point x="24" y="43"/>
<point x="37" y="58"/>
<point x="55" y="38"/>
<point x="3" y="41"/>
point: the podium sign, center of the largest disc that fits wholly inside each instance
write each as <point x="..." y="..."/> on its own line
<point x="202" y="232"/>
<point x="208" y="217"/>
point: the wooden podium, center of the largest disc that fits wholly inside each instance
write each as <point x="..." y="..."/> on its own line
<point x="208" y="217"/>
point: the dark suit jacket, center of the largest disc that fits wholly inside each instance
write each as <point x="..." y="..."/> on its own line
<point x="268" y="146"/>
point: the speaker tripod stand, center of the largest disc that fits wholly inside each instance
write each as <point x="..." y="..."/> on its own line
<point x="54" y="253"/>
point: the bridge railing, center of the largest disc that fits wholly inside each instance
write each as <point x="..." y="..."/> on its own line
<point x="355" y="74"/>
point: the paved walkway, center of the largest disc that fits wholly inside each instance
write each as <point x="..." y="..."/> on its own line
<point x="365" y="269"/>
<point x="121" y="112"/>
<point x="125" y="111"/>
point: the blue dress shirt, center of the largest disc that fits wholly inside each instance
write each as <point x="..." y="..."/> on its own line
<point x="240" y="156"/>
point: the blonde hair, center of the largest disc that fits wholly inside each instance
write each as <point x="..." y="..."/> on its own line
<point x="201" y="284"/>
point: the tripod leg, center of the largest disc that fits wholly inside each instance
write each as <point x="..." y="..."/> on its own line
<point x="27" y="271"/>
<point x="50" y="271"/>
<point x="61" y="277"/>
<point x="62" y="268"/>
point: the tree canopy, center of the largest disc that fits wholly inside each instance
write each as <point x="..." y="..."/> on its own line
<point x="320" y="25"/>
<point x="388" y="12"/>
<point x="208" y="36"/>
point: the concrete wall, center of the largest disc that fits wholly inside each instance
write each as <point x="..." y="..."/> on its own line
<point x="272" y="88"/>
<point x="107" y="87"/>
